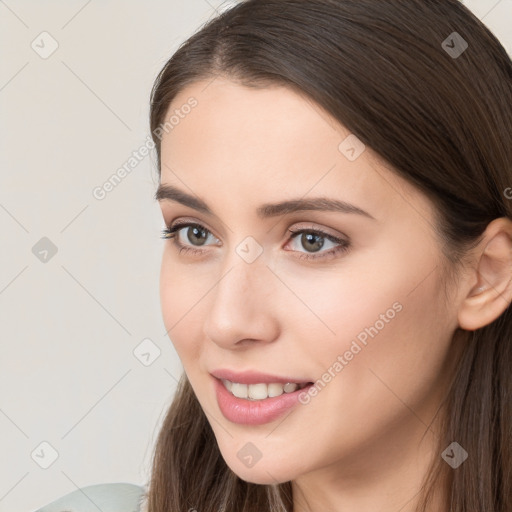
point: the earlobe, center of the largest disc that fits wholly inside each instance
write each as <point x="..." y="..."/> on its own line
<point x="491" y="293"/>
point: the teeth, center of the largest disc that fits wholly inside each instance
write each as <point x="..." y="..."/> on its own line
<point x="260" y="391"/>
<point x="275" y="389"/>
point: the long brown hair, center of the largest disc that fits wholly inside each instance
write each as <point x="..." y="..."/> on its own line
<point x="440" y="114"/>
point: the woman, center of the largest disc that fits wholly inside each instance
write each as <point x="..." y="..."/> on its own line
<point x="335" y="180"/>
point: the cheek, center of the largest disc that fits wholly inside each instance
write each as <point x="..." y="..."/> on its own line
<point x="384" y="361"/>
<point x="180" y="293"/>
<point x="339" y="324"/>
<point x="385" y="316"/>
<point x="393" y="351"/>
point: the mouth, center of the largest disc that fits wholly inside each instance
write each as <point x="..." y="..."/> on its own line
<point x="262" y="390"/>
<point x="257" y="403"/>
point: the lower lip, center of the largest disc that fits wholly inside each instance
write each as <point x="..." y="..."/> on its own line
<point x="254" y="412"/>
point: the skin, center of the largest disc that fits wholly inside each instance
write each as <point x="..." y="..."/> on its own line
<point x="363" y="443"/>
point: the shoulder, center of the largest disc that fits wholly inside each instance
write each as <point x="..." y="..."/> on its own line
<point x="110" y="497"/>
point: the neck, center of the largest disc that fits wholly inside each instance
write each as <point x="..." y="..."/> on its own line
<point x="386" y="475"/>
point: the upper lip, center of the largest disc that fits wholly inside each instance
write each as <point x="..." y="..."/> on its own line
<point x="254" y="377"/>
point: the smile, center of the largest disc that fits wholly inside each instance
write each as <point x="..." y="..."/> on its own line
<point x="260" y="391"/>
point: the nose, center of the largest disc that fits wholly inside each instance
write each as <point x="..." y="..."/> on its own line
<point x="242" y="310"/>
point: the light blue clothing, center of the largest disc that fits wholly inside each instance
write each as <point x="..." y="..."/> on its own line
<point x="111" y="497"/>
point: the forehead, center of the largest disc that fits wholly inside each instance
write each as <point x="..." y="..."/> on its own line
<point x="274" y="124"/>
<point x="251" y="146"/>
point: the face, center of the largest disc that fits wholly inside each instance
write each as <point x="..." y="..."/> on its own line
<point x="355" y="302"/>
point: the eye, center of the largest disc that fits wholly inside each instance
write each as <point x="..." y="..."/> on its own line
<point x="314" y="239"/>
<point x="311" y="239"/>
<point x="195" y="233"/>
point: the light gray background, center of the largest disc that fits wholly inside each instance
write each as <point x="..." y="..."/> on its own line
<point x="68" y="373"/>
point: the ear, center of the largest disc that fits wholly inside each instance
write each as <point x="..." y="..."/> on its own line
<point x="490" y="282"/>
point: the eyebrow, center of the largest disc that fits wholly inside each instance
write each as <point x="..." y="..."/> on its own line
<point x="171" y="193"/>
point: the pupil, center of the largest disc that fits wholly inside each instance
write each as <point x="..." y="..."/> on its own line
<point x="195" y="230"/>
<point x="306" y="237"/>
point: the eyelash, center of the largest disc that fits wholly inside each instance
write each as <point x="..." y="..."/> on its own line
<point x="169" y="233"/>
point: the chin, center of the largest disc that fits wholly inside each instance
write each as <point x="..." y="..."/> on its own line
<point x="262" y="474"/>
